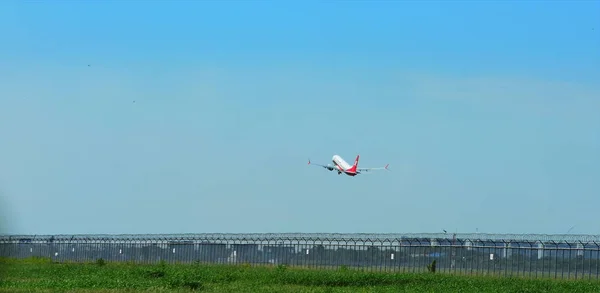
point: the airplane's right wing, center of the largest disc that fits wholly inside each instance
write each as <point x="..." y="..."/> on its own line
<point x="373" y="169"/>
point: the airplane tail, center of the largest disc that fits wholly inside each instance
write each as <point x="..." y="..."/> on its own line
<point x="355" y="166"/>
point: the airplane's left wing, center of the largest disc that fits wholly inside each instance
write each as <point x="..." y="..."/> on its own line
<point x="328" y="167"/>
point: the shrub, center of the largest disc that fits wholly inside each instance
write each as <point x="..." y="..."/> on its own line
<point x="100" y="262"/>
<point x="431" y="267"/>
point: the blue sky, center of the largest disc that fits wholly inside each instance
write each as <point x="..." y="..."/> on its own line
<point x="487" y="113"/>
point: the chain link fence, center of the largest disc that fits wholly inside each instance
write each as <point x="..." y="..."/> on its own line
<point x="554" y="256"/>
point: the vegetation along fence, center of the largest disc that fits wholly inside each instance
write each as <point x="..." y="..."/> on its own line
<point x="554" y="256"/>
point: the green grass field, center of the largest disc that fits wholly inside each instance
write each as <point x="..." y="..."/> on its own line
<point x="35" y="275"/>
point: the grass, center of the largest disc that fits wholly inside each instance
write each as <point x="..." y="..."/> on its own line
<point x="40" y="275"/>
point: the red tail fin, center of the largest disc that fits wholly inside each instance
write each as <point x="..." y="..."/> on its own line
<point x="353" y="168"/>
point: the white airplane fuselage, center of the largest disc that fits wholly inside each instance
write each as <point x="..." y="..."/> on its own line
<point x="343" y="166"/>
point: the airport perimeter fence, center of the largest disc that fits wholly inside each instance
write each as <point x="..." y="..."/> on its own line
<point x="553" y="256"/>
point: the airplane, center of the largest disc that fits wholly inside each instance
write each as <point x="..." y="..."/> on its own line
<point x="342" y="166"/>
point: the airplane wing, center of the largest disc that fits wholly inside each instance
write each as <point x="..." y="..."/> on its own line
<point x="328" y="167"/>
<point x="373" y="169"/>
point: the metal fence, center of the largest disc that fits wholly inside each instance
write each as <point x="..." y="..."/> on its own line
<point x="554" y="256"/>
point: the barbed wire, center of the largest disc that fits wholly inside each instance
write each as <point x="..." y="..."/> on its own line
<point x="331" y="237"/>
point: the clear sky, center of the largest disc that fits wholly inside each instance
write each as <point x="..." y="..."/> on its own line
<point x="487" y="112"/>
